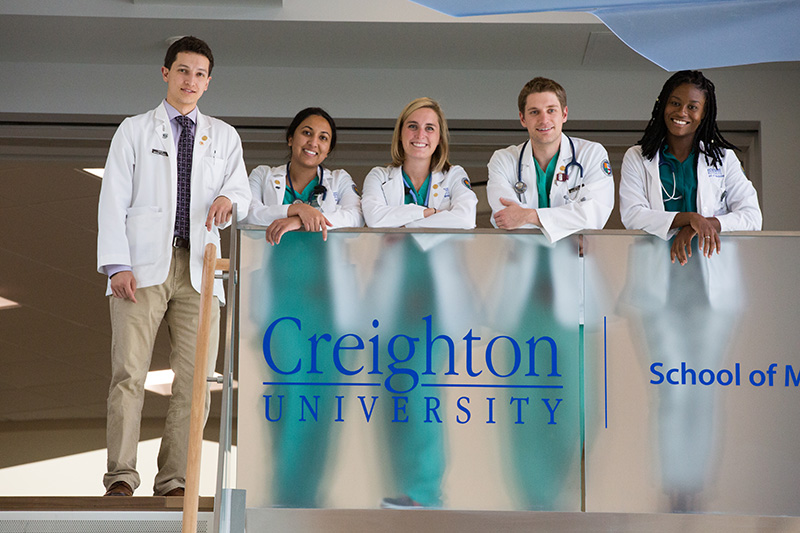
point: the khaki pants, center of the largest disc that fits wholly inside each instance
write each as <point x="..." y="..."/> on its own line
<point x="134" y="327"/>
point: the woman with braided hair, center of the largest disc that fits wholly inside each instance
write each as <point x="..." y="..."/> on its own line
<point x="682" y="178"/>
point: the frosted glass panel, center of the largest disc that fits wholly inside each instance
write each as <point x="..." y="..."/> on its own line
<point x="442" y="367"/>
<point x="692" y="377"/>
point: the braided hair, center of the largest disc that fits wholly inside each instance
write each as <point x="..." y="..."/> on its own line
<point x="707" y="133"/>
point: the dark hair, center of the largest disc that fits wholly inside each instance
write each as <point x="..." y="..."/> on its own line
<point x="189" y="44"/>
<point x="309" y="112"/>
<point x="541" y="85"/>
<point x="707" y="133"/>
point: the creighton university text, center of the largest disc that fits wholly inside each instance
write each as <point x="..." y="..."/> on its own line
<point x="401" y="364"/>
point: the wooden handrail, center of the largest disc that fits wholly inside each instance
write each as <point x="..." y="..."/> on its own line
<point x="199" y="386"/>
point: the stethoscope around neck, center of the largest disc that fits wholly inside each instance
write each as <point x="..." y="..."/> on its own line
<point x="409" y="189"/>
<point x="318" y="189"/>
<point x="520" y="186"/>
<point x="667" y="196"/>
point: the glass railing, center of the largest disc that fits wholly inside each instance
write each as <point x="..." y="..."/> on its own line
<point x="495" y="371"/>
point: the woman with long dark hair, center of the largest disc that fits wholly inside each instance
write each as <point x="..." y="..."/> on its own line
<point x="302" y="194"/>
<point x="683" y="178"/>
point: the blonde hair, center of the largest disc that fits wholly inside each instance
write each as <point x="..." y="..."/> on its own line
<point x="439" y="159"/>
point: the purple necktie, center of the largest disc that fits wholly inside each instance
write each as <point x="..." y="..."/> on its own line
<point x="185" y="146"/>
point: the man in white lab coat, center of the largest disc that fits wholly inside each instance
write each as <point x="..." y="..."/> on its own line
<point x="554" y="182"/>
<point x="170" y="181"/>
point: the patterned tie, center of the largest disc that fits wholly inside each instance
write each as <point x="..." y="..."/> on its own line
<point x="185" y="146"/>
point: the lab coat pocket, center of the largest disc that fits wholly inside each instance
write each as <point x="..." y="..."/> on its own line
<point x="325" y="206"/>
<point x="143" y="228"/>
<point x="719" y="196"/>
<point x="440" y="199"/>
<point x="213" y="173"/>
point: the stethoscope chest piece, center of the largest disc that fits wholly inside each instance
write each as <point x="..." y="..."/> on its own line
<point x="319" y="189"/>
<point x="562" y="177"/>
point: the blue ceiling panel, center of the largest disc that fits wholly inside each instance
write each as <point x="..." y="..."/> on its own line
<point x="681" y="34"/>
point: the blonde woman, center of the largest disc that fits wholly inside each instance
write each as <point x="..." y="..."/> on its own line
<point x="420" y="189"/>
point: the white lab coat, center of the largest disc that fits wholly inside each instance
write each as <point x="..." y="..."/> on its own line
<point x="384" y="206"/>
<point x="341" y="206"/>
<point x="587" y="208"/>
<point x="136" y="211"/>
<point x="723" y="192"/>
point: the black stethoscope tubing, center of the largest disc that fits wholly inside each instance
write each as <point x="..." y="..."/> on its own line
<point x="520" y="186"/>
<point x="319" y="189"/>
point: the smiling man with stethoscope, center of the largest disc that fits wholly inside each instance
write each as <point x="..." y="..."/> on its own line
<point x="558" y="183"/>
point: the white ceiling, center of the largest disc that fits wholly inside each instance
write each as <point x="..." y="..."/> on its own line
<point x="280" y="10"/>
<point x="304" y="44"/>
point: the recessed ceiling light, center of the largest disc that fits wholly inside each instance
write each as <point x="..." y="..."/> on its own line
<point x="160" y="382"/>
<point x="95" y="171"/>
<point x="7" y="304"/>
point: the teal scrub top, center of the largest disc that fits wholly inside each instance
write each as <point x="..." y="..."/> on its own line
<point x="544" y="179"/>
<point x="290" y="195"/>
<point x="682" y="176"/>
<point x="421" y="194"/>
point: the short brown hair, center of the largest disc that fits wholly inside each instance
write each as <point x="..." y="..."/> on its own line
<point x="440" y="159"/>
<point x="541" y="85"/>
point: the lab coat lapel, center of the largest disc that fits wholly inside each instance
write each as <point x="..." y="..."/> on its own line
<point x="436" y="189"/>
<point x="200" y="173"/>
<point x="559" y="188"/>
<point x="531" y="195"/>
<point x="163" y="131"/>
<point x="564" y="154"/>
<point x="203" y="140"/>
<point x="653" y="183"/>
<point x="393" y="187"/>
<point x="278" y="183"/>
<point x="703" y="183"/>
<point x="327" y="181"/>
